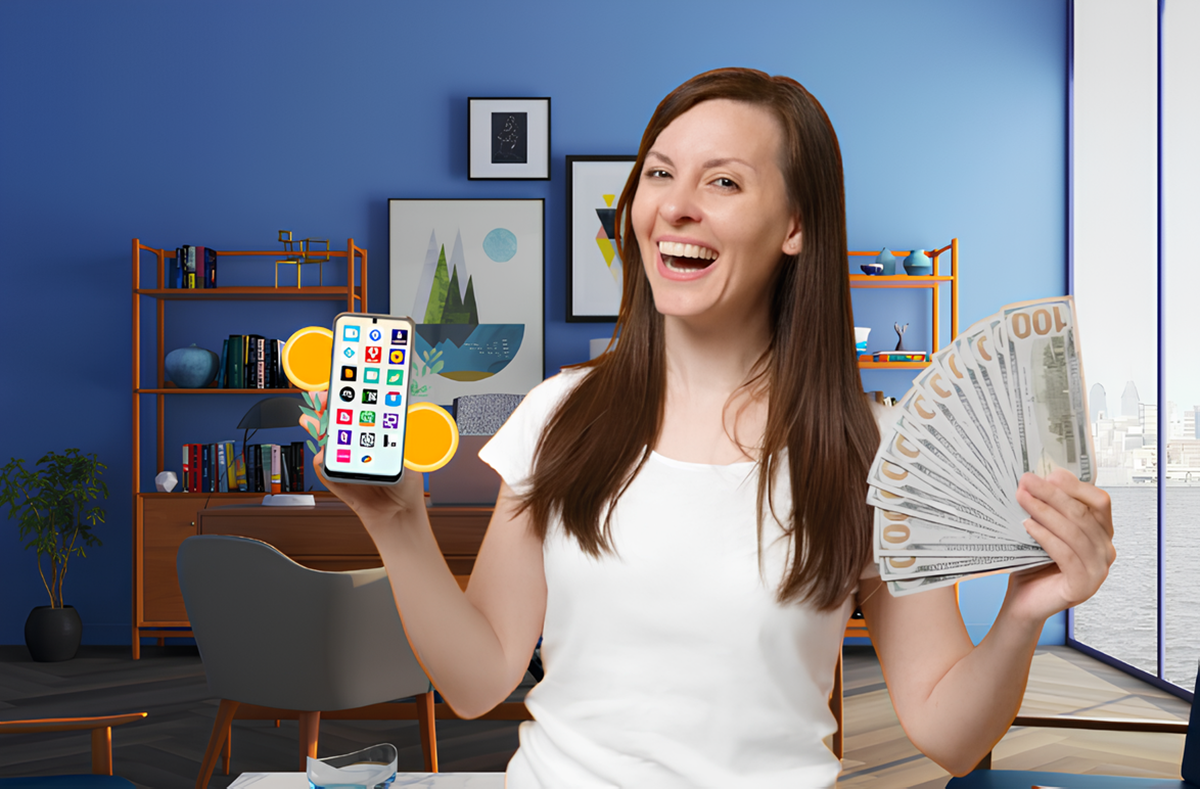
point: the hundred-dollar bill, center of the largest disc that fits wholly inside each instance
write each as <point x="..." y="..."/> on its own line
<point x="892" y="568"/>
<point x="898" y="534"/>
<point x="978" y="363"/>
<point x="1047" y="387"/>
<point x="962" y="379"/>
<point x="923" y="584"/>
<point x="896" y="502"/>
<point x="897" y="451"/>
<point x="888" y="476"/>
<point x="942" y="449"/>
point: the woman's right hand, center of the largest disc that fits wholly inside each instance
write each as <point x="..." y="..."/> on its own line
<point x="373" y="503"/>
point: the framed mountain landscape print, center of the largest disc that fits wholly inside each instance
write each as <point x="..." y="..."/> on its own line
<point x="470" y="275"/>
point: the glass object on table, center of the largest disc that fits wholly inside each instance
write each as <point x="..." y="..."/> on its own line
<point x="370" y="768"/>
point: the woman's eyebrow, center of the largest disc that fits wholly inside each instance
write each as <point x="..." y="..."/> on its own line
<point x="708" y="165"/>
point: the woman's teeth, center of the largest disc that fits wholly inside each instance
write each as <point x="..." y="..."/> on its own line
<point x="685" y="257"/>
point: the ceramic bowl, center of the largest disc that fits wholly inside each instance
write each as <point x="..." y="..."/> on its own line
<point x="873" y="269"/>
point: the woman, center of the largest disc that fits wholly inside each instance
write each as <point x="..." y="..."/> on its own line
<point x="683" y="519"/>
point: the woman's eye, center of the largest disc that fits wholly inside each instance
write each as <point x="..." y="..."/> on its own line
<point x="656" y="173"/>
<point x="726" y="183"/>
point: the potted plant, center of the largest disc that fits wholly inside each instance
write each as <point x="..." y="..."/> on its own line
<point x="52" y="507"/>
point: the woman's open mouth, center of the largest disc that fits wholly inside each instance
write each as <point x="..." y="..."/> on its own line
<point x="685" y="258"/>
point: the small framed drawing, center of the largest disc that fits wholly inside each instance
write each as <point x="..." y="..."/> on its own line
<point x="594" y="270"/>
<point x="508" y="139"/>
<point x="470" y="275"/>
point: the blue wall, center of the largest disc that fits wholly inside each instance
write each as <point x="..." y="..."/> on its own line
<point x="219" y="123"/>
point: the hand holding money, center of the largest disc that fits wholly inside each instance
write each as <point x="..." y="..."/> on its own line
<point x="988" y="465"/>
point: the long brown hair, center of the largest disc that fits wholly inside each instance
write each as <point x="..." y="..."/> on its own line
<point x="598" y="439"/>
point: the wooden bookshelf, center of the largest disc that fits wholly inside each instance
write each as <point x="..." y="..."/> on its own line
<point x="163" y="520"/>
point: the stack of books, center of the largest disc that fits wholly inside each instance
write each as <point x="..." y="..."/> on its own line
<point x="265" y="468"/>
<point x="192" y="267"/>
<point x="249" y="361"/>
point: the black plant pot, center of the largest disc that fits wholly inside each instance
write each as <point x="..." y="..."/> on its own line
<point x="53" y="634"/>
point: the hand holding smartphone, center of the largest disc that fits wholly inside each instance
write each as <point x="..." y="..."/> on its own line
<point x="367" y="398"/>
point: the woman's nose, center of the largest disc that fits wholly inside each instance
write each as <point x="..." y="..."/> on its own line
<point x="680" y="205"/>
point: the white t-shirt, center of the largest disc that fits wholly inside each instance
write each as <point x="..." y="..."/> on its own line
<point x="671" y="664"/>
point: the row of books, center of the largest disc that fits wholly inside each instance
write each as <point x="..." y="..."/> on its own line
<point x="265" y="468"/>
<point x="192" y="267"/>
<point x="249" y="361"/>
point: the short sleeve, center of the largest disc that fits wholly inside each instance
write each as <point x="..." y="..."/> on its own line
<point x="510" y="451"/>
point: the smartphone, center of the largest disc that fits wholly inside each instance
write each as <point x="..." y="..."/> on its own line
<point x="368" y="398"/>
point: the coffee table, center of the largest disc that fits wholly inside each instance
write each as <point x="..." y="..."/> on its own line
<point x="430" y="780"/>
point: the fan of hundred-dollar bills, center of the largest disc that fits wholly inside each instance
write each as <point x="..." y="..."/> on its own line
<point x="1005" y="397"/>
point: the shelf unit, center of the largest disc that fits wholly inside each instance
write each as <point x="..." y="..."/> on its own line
<point x="932" y="281"/>
<point x="163" y="520"/>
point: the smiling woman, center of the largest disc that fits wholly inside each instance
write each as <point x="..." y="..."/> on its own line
<point x="683" y="520"/>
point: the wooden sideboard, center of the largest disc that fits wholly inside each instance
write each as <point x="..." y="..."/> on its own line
<point x="328" y="536"/>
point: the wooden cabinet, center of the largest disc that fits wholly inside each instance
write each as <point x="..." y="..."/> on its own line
<point x="163" y="520"/>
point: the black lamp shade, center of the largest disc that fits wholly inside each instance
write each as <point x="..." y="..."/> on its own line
<point x="272" y="412"/>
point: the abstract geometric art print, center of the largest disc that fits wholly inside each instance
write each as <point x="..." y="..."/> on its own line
<point x="594" y="269"/>
<point x="469" y="273"/>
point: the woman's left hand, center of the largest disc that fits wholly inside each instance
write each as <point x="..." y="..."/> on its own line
<point x="1072" y="521"/>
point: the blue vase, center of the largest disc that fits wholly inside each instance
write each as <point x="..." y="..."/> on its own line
<point x="917" y="264"/>
<point x="192" y="367"/>
<point x="888" y="261"/>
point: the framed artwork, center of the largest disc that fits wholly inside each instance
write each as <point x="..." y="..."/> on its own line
<point x="594" y="269"/>
<point x="470" y="275"/>
<point x="508" y="139"/>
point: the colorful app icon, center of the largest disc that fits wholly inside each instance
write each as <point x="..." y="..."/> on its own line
<point x="399" y="336"/>
<point x="397" y="356"/>
<point x="348" y="352"/>
<point x="366" y="440"/>
<point x="366" y="419"/>
<point x="391" y="421"/>
<point x="390" y="442"/>
<point x="395" y="378"/>
<point x="350" y="334"/>
<point x="347" y="394"/>
<point x="370" y="396"/>
<point x="370" y="375"/>
<point x="343" y="456"/>
<point x="365" y="459"/>
<point x="349" y="373"/>
<point x="374" y="354"/>
<point x="393" y="399"/>
<point x="345" y="416"/>
<point x="374" y="335"/>
<point x="344" y="436"/>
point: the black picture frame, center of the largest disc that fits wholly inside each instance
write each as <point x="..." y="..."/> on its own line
<point x="591" y="181"/>
<point x="508" y="139"/>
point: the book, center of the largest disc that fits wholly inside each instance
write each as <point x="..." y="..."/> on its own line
<point x="222" y="470"/>
<point x="231" y="484"/>
<point x="205" y="471"/>
<point x="189" y="263"/>
<point x="210" y="267"/>
<point x="298" y="462"/>
<point x="235" y="362"/>
<point x="276" y="474"/>
<point x="271" y="359"/>
<point x="201" y="269"/>
<point x="185" y="477"/>
<point x="240" y="473"/>
<point x="195" y="452"/>
<point x="223" y="369"/>
<point x="265" y="467"/>
<point x="261" y="371"/>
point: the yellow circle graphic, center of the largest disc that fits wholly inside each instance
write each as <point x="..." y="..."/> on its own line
<point x="307" y="358"/>
<point x="430" y="438"/>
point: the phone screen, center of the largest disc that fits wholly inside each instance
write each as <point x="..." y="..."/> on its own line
<point x="368" y="400"/>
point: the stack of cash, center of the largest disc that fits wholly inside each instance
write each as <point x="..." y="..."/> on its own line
<point x="1004" y="398"/>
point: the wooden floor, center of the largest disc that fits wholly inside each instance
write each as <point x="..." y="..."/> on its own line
<point x="164" y="751"/>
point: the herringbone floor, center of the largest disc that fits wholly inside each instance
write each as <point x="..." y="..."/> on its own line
<point x="164" y="751"/>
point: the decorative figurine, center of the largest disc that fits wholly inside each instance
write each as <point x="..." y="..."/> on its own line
<point x="298" y="254"/>
<point x="900" y="334"/>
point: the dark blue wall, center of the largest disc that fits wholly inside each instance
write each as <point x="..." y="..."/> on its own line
<point x="219" y="123"/>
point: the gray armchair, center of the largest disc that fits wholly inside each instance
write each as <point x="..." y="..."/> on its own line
<point x="294" y="642"/>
